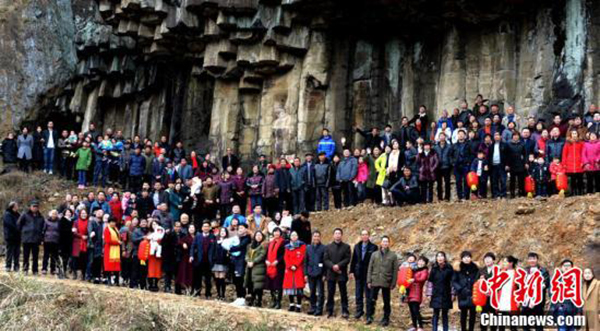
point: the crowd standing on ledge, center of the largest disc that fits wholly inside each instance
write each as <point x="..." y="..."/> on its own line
<point x="179" y="218"/>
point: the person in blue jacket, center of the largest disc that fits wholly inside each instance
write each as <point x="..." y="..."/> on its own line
<point x="137" y="166"/>
<point x="326" y="144"/>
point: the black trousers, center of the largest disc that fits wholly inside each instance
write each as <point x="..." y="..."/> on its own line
<point x="135" y="183"/>
<point x="322" y="198"/>
<point x="426" y="191"/>
<point x="32" y="250"/>
<point x="337" y="197"/>
<point x="535" y="311"/>
<point x="271" y="206"/>
<point x="470" y="314"/>
<point x="387" y="307"/>
<point x="240" y="291"/>
<point x="126" y="268"/>
<point x="13" y="252"/>
<point x="317" y="296"/>
<point x="309" y="198"/>
<point x="361" y="293"/>
<point x="50" y="253"/>
<point x="415" y="314"/>
<point x="285" y="201"/>
<point x="331" y="286"/>
<point x="443" y="184"/>
<point x="202" y="272"/>
<point x="576" y="183"/>
<point x="348" y="192"/>
<point x="436" y="318"/>
<point x="139" y="274"/>
<point x="593" y="181"/>
<point x="517" y="179"/>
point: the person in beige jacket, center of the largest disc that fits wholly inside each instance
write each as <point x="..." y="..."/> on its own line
<point x="591" y="299"/>
<point x="382" y="276"/>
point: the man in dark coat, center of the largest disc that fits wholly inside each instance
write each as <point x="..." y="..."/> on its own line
<point x="201" y="255"/>
<point x="31" y="226"/>
<point x="460" y="156"/>
<point x="12" y="236"/>
<point x="359" y="267"/>
<point x="336" y="260"/>
<point x="169" y="256"/>
<point x="230" y="160"/>
<point x="9" y="150"/>
<point x="313" y="269"/>
<point x="498" y="163"/>
<point x="462" y="282"/>
<point x="441" y="295"/>
<point x="322" y="174"/>
<point x="310" y="183"/>
<point x="517" y="157"/>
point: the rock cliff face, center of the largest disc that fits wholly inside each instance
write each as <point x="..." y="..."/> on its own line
<point x="264" y="76"/>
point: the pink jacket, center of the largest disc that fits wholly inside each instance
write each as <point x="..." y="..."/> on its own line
<point x="591" y="156"/>
<point x="363" y="173"/>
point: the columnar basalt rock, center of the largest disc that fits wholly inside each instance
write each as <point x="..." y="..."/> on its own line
<point x="265" y="76"/>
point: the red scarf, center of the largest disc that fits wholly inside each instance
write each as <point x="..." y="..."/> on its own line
<point x="82" y="226"/>
<point x="272" y="257"/>
<point x="194" y="163"/>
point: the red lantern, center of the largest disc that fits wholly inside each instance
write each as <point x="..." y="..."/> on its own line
<point x="472" y="180"/>
<point x="479" y="298"/>
<point x="405" y="275"/>
<point x="529" y="186"/>
<point x="144" y="251"/>
<point x="562" y="183"/>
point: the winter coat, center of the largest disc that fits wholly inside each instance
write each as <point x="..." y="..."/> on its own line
<point x="313" y="265"/>
<point x="326" y="145"/>
<point x="79" y="244"/>
<point x="591" y="304"/>
<point x="185" y="172"/>
<point x="95" y="243"/>
<point x="197" y="249"/>
<point x="370" y="161"/>
<point x="383" y="267"/>
<point x="322" y="174"/>
<point x="254" y="180"/>
<point x="347" y="169"/>
<point x="51" y="231"/>
<point x="337" y="253"/>
<point x="9" y="151"/>
<point x="258" y="273"/>
<point x="137" y="165"/>
<point x="283" y="179"/>
<point x="31" y="226"/>
<point x="443" y="154"/>
<point x="460" y="156"/>
<point x="219" y="255"/>
<point x="428" y="164"/>
<point x="238" y="256"/>
<point x="516" y="157"/>
<point x="412" y="183"/>
<point x="84" y="159"/>
<point x="441" y="281"/>
<point x="572" y="158"/>
<point x="362" y="175"/>
<point x="297" y="178"/>
<point x="177" y="154"/>
<point x="591" y="155"/>
<point x="12" y="233"/>
<point x="415" y="290"/>
<point x="175" y="204"/>
<point x="359" y="265"/>
<point x="370" y="141"/>
<point x="381" y="168"/>
<point x="65" y="229"/>
<point x="309" y="170"/>
<point x="294" y="257"/>
<point x="504" y="154"/>
<point x="225" y="191"/>
<point x="462" y="283"/>
<point x="230" y="160"/>
<point x="269" y="187"/>
<point x="554" y="149"/>
<point x="540" y="173"/>
<point x="25" y="145"/>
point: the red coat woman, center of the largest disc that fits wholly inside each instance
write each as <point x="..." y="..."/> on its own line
<point x="293" y="279"/>
<point x="415" y="291"/>
<point x="572" y="156"/>
<point x="112" y="248"/>
<point x="116" y="209"/>
<point x="80" y="233"/>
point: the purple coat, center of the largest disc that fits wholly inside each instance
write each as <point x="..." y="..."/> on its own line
<point x="252" y="181"/>
<point x="225" y="191"/>
<point x="269" y="187"/>
<point x="427" y="165"/>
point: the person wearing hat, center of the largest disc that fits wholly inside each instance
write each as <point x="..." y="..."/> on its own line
<point x="31" y="226"/>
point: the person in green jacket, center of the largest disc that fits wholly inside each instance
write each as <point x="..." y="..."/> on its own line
<point x="382" y="277"/>
<point x="84" y="160"/>
<point x="256" y="270"/>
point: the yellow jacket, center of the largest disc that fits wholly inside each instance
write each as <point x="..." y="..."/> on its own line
<point x="380" y="166"/>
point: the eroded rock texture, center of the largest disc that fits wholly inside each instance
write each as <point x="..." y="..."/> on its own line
<point x="264" y="76"/>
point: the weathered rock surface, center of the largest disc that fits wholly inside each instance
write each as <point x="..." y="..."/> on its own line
<point x="265" y="76"/>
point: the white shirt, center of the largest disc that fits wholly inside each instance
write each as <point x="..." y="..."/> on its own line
<point x="496" y="155"/>
<point x="50" y="139"/>
<point x="506" y="293"/>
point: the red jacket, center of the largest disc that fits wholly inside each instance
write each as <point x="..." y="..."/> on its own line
<point x="572" y="157"/>
<point x="294" y="257"/>
<point x="415" y="291"/>
<point x="116" y="209"/>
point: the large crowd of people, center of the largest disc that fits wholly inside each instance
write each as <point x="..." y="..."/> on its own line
<point x="180" y="221"/>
